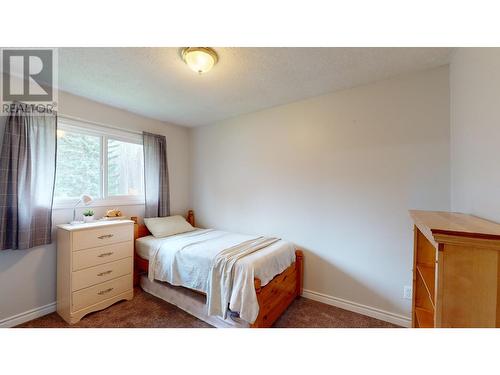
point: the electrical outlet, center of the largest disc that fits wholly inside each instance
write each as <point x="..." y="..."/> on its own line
<point x="407" y="289"/>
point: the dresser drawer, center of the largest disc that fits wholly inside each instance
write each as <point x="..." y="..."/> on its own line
<point x="97" y="293"/>
<point x="99" y="255"/>
<point x="98" y="274"/>
<point x="85" y="239"/>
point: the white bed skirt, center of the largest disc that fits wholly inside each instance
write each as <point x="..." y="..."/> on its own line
<point x="189" y="301"/>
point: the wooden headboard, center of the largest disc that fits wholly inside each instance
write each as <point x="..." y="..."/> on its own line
<point x="140" y="230"/>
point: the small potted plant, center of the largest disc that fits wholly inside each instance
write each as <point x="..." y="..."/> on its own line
<point x="88" y="215"/>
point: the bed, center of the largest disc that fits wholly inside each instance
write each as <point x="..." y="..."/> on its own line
<point x="274" y="282"/>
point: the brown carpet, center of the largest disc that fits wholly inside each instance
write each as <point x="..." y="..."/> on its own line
<point x="147" y="311"/>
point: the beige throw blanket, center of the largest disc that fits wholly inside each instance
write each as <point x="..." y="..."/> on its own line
<point x="220" y="280"/>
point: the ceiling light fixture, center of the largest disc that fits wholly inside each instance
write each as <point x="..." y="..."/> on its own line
<point x="199" y="59"/>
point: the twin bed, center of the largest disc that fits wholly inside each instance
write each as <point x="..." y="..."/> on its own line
<point x="223" y="278"/>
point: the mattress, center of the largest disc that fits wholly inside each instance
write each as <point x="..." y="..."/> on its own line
<point x="144" y="245"/>
<point x="262" y="260"/>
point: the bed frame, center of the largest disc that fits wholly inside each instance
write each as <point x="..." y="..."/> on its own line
<point x="273" y="298"/>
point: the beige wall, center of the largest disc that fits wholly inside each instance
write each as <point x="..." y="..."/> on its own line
<point x="475" y="131"/>
<point x="336" y="175"/>
<point x="28" y="277"/>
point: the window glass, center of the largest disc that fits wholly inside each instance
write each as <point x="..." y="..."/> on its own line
<point x="78" y="167"/>
<point x="125" y="168"/>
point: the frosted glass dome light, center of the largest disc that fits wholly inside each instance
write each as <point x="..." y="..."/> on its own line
<point x="199" y="59"/>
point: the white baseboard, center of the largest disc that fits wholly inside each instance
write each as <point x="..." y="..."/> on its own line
<point x="26" y="316"/>
<point x="373" y="312"/>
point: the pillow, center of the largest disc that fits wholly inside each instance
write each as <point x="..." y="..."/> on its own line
<point x="167" y="226"/>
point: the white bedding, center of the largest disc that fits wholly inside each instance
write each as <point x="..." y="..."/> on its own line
<point x="186" y="260"/>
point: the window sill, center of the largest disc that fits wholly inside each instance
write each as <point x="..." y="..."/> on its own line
<point x="111" y="203"/>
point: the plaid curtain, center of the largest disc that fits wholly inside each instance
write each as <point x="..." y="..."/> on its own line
<point x="156" y="188"/>
<point x="27" y="174"/>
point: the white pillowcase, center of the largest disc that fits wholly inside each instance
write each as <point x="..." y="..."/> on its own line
<point x="167" y="226"/>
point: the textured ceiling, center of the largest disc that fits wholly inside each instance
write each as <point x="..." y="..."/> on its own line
<point x="155" y="82"/>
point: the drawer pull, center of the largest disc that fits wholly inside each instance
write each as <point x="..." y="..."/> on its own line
<point x="105" y="254"/>
<point x="105" y="236"/>
<point x="105" y="291"/>
<point x="104" y="273"/>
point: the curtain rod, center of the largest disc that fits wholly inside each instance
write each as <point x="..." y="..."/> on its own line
<point x="68" y="117"/>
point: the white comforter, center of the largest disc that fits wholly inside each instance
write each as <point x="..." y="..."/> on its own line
<point x="187" y="259"/>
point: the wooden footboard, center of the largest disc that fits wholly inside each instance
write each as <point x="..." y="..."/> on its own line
<point x="279" y="293"/>
<point x="273" y="298"/>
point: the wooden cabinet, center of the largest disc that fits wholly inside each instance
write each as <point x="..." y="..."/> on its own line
<point x="456" y="271"/>
<point x="94" y="266"/>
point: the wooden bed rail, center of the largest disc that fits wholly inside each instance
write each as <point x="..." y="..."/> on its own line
<point x="273" y="298"/>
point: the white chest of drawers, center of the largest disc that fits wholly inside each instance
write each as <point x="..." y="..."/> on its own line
<point x="94" y="266"/>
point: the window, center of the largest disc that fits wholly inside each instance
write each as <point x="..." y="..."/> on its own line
<point x="105" y="163"/>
